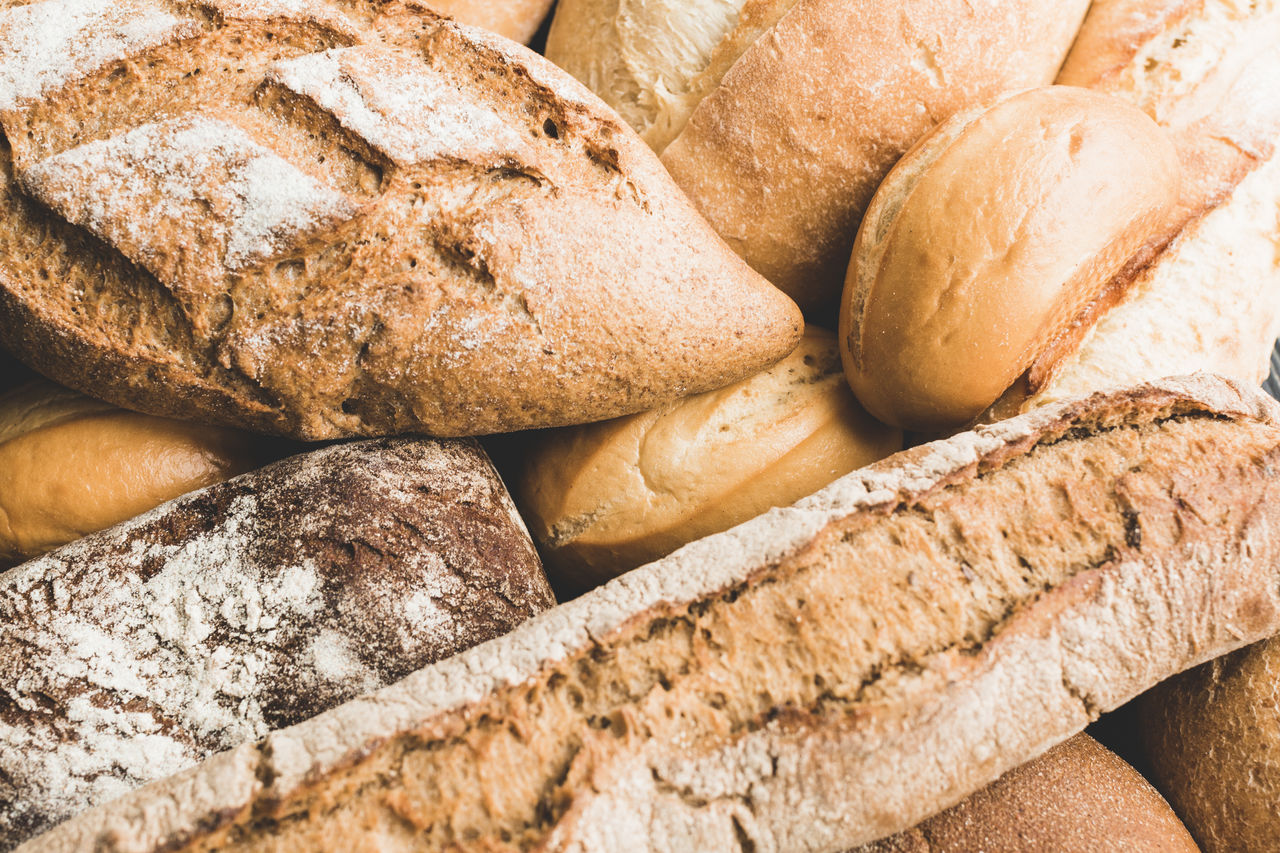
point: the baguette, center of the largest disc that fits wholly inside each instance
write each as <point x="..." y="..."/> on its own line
<point x="819" y="677"/>
<point x="276" y="216"/>
<point x="244" y="607"/>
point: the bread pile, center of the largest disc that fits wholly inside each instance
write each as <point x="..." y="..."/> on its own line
<point x="831" y="340"/>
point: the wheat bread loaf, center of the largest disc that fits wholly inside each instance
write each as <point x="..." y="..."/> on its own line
<point x="1078" y="797"/>
<point x="71" y="465"/>
<point x="817" y="678"/>
<point x="323" y="221"/>
<point x="602" y="499"/>
<point x="780" y="118"/>
<point x="244" y="607"/>
<point x="515" y="19"/>
<point x="1205" y="293"/>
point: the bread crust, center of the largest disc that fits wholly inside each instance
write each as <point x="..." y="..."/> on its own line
<point x="515" y="19"/>
<point x="595" y="726"/>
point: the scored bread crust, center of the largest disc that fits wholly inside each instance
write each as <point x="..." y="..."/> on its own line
<point x="821" y="676"/>
<point x="325" y="222"/>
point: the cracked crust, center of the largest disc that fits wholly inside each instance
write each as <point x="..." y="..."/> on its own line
<point x="821" y="676"/>
<point x="245" y="607"/>
<point x="323" y="220"/>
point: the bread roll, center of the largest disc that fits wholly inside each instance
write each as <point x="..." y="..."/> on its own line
<point x="1078" y="796"/>
<point x="605" y="498"/>
<point x="70" y="465"/>
<point x="780" y="117"/>
<point x="247" y="606"/>
<point x="1213" y="738"/>
<point x="515" y="19"/>
<point x="281" y="217"/>
<point x="988" y="240"/>
<point x="817" y="678"/>
<point x="1206" y="294"/>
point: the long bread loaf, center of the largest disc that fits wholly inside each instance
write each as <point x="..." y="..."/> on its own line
<point x="816" y="678"/>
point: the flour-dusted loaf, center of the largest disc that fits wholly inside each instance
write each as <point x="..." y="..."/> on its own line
<point x="282" y="216"/>
<point x="1204" y="295"/>
<point x="779" y="118"/>
<point x="819" y="677"/>
<point x="250" y="605"/>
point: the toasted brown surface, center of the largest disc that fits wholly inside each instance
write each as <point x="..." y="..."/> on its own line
<point x="1078" y="796"/>
<point x="320" y="224"/>
<point x="1212" y="736"/>
<point x="251" y="605"/>
<point x="822" y="676"/>
<point x="515" y="19"/>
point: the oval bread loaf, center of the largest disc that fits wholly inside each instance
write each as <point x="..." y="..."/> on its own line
<point x="71" y="465"/>
<point x="1078" y="796"/>
<point x="247" y="606"/>
<point x="819" y="677"/>
<point x="278" y="216"/>
<point x="987" y="241"/>
<point x="780" y="118"/>
<point x="604" y="498"/>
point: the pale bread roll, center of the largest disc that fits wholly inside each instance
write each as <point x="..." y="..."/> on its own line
<point x="71" y="465"/>
<point x="988" y="239"/>
<point x="1078" y="797"/>
<point x="780" y="117"/>
<point x="515" y="19"/>
<point x="605" y="498"/>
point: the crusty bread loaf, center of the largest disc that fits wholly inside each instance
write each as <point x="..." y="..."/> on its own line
<point x="784" y="115"/>
<point x="824" y="675"/>
<point x="278" y="216"/>
<point x="988" y="240"/>
<point x="1209" y="73"/>
<point x="515" y="19"/>
<point x="71" y="465"/>
<point x="605" y="498"/>
<point x="1212" y="736"/>
<point x="248" y="606"/>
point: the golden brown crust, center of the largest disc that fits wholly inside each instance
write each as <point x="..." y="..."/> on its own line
<point x="822" y="676"/>
<point x="1078" y="796"/>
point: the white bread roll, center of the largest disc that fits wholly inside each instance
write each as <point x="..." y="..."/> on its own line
<point x="780" y="117"/>
<point x="988" y="240"/>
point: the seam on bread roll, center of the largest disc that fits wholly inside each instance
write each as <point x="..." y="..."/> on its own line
<point x="873" y="751"/>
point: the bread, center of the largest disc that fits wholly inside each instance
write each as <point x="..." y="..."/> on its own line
<point x="1206" y="294"/>
<point x="819" y="677"/>
<point x="988" y="240"/>
<point x="398" y="224"/>
<point x="250" y="605"/>
<point x="605" y="498"/>
<point x="1212" y="736"/>
<point x="515" y="19"/>
<point x="1078" y="796"/>
<point x="779" y="118"/>
<point x="71" y="465"/>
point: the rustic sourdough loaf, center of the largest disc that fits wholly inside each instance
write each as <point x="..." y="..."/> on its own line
<point x="251" y="605"/>
<point x="276" y="215"/>
<point x="71" y="465"/>
<point x="780" y="117"/>
<point x="1078" y="797"/>
<point x="1205" y="293"/>
<point x="515" y="19"/>
<point x="1212" y="736"/>
<point x="819" y="677"/>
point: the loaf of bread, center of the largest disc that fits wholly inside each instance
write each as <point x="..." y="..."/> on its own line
<point x="71" y="465"/>
<point x="988" y="240"/>
<point x="1078" y="797"/>
<point x="515" y="19"/>
<point x="605" y="498"/>
<point x="278" y="216"/>
<point x="1206" y="294"/>
<point x="817" y="678"/>
<point x="779" y="118"/>
<point x="1212" y="736"/>
<point x="247" y="606"/>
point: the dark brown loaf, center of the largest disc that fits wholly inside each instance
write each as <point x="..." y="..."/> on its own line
<point x="819" y="677"/>
<point x="1078" y="797"/>
<point x="245" y="607"/>
<point x="278" y="216"/>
